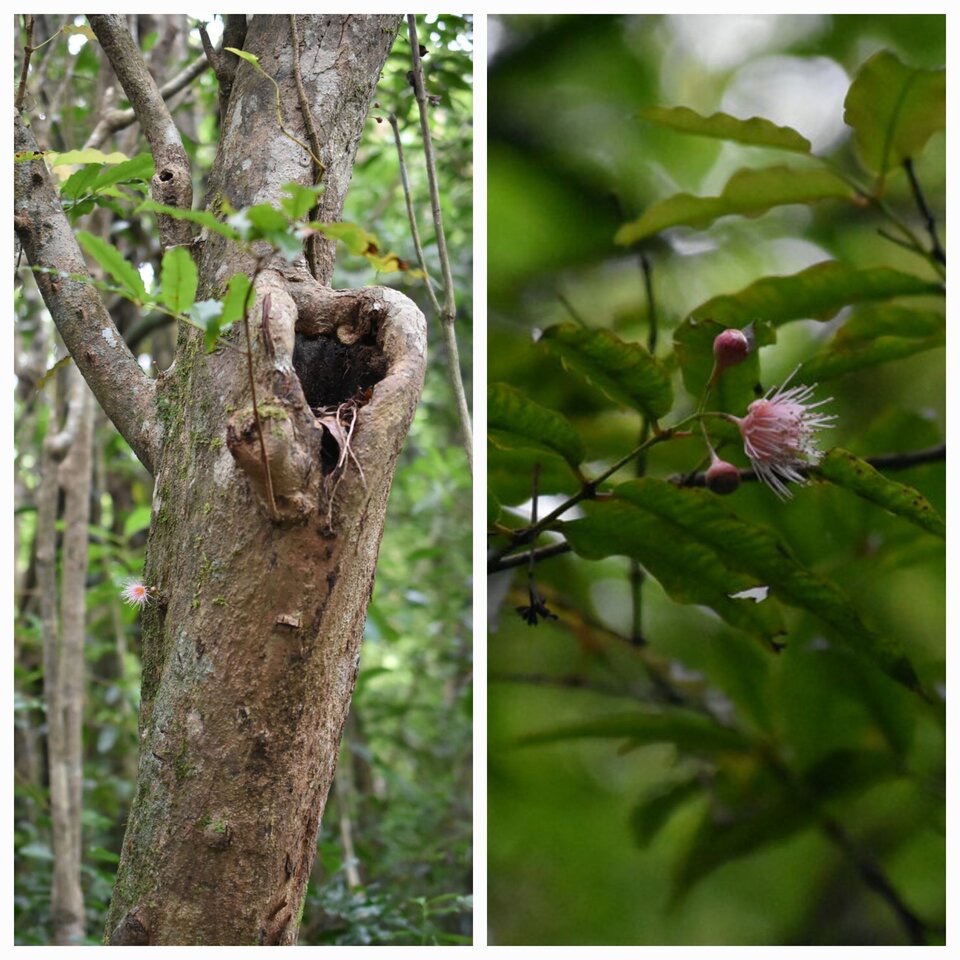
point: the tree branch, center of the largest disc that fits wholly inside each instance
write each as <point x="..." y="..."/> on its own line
<point x="115" y="120"/>
<point x="120" y="386"/>
<point x="921" y="201"/>
<point x="28" y="49"/>
<point x="891" y="461"/>
<point x="448" y="315"/>
<point x="172" y="183"/>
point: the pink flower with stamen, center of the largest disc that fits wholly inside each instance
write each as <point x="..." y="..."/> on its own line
<point x="136" y="593"/>
<point x="779" y="435"/>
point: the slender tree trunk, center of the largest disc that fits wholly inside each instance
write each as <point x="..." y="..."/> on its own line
<point x="260" y="570"/>
<point x="67" y="458"/>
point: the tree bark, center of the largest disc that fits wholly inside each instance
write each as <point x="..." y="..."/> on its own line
<point x="66" y="466"/>
<point x="251" y="645"/>
<point x="259" y="572"/>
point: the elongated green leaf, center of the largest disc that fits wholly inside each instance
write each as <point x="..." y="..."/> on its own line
<point x="652" y="813"/>
<point x="844" y="469"/>
<point x="698" y="530"/>
<point x="514" y="420"/>
<point x="178" y="280"/>
<point x="301" y="199"/>
<point x="90" y="155"/>
<point x="890" y="319"/>
<point x="625" y="372"/>
<point x="756" y="131"/>
<point x="688" y="569"/>
<point x="113" y="263"/>
<point x="748" y="193"/>
<point x="816" y="293"/>
<point x="776" y="813"/>
<point x="510" y="473"/>
<point x="78" y="184"/>
<point x="847" y="357"/>
<point x="203" y="217"/>
<point x="357" y="240"/>
<point x="138" y="168"/>
<point x="235" y="299"/>
<point x="894" y="110"/>
<point x="249" y="57"/>
<point x="688" y="731"/>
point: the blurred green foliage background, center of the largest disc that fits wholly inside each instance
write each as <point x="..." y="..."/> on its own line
<point x="570" y="859"/>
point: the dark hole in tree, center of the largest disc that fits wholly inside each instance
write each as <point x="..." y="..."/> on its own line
<point x="331" y="373"/>
<point x="166" y="175"/>
<point x="37" y="180"/>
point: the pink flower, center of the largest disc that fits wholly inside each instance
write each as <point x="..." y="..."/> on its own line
<point x="135" y="593"/>
<point x="779" y="435"/>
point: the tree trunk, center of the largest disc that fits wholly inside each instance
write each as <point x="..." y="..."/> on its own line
<point x="67" y="456"/>
<point x="259" y="574"/>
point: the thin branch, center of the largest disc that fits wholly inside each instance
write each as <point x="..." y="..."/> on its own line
<point x="448" y="314"/>
<point x="28" y="49"/>
<point x="586" y="492"/>
<point x="115" y="120"/>
<point x="124" y="391"/>
<point x="891" y="461"/>
<point x="936" y="249"/>
<point x="172" y="183"/>
<point x="411" y="214"/>
<point x="874" y="877"/>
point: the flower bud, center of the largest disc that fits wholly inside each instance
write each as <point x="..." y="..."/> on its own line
<point x="730" y="348"/>
<point x="722" y="477"/>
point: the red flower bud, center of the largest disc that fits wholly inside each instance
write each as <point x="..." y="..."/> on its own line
<point x="722" y="477"/>
<point x="730" y="348"/>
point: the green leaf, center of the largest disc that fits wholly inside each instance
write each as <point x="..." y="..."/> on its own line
<point x="235" y="299"/>
<point x="266" y="220"/>
<point x="688" y="567"/>
<point x="516" y="421"/>
<point x="137" y="520"/>
<point x="649" y="816"/>
<point x="894" y="110"/>
<point x="89" y="155"/>
<point x="890" y="319"/>
<point x="249" y="57"/>
<point x="756" y="131"/>
<point x="301" y="200"/>
<point x="203" y="217"/>
<point x="178" y="280"/>
<point x="843" y="357"/>
<point x="625" y="372"/>
<point x="688" y="731"/>
<point x="114" y="264"/>
<point x="494" y="510"/>
<point x="357" y="240"/>
<point x="510" y="473"/>
<point x="684" y="536"/>
<point x="206" y="315"/>
<point x="772" y="814"/>
<point x="78" y="183"/>
<point x="817" y="293"/>
<point x="137" y="169"/>
<point x="844" y="469"/>
<point x="747" y="193"/>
